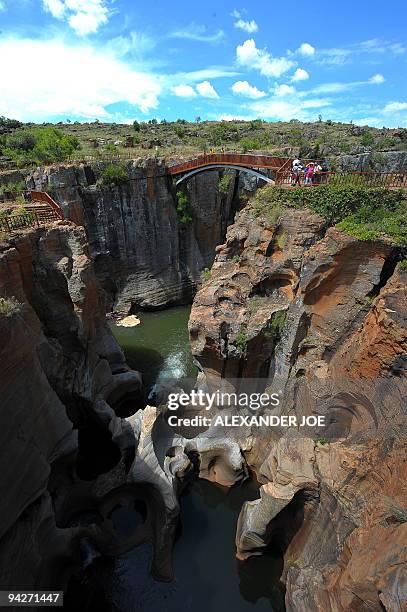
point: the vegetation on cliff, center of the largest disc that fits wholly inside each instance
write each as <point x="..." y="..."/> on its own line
<point x="363" y="212"/>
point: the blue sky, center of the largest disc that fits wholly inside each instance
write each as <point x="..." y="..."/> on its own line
<point x="120" y="60"/>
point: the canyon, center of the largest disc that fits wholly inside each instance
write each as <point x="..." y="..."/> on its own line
<point x="298" y="305"/>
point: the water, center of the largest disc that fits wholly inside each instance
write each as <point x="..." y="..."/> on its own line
<point x="208" y="576"/>
<point x="159" y="346"/>
<point x="204" y="556"/>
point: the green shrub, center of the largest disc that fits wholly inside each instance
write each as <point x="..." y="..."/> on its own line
<point x="9" y="307"/>
<point x="276" y="326"/>
<point x="254" y="304"/>
<point x="39" y="145"/>
<point x="403" y="265"/>
<point x="367" y="139"/>
<point x="206" y="274"/>
<point x="224" y="183"/>
<point x="136" y="126"/>
<point x="183" y="208"/>
<point x="114" y="175"/>
<point x="321" y="440"/>
<point x="241" y="341"/>
<point x="364" y="212"/>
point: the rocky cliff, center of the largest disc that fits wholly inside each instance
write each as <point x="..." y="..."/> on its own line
<point x="320" y="316"/>
<point x="59" y="362"/>
<point x="143" y="253"/>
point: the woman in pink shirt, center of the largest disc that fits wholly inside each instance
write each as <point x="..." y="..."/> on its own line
<point x="309" y="173"/>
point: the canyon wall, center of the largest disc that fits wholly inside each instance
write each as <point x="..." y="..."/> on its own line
<point x="144" y="255"/>
<point x="59" y="363"/>
<point x="320" y="317"/>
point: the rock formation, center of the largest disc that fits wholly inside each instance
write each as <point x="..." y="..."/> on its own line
<point x="60" y="362"/>
<point x="143" y="254"/>
<point x="320" y="316"/>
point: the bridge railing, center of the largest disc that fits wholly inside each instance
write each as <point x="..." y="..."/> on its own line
<point x="254" y="161"/>
<point x="389" y="180"/>
<point x="45" y="198"/>
<point x="10" y="223"/>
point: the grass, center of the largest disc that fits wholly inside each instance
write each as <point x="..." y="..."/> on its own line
<point x="321" y="440"/>
<point x="9" y="307"/>
<point x="183" y="138"/>
<point x="367" y="213"/>
<point x="254" y="304"/>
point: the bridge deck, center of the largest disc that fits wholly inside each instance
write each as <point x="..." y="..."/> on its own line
<point x="232" y="159"/>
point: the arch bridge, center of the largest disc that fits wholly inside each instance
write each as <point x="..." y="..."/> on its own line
<point x="280" y="169"/>
<point x="251" y="164"/>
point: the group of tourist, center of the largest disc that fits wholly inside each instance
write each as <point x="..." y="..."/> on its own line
<point x="311" y="172"/>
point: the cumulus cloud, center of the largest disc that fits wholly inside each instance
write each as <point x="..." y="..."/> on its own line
<point x="300" y="75"/>
<point x="83" y="16"/>
<point x="246" y="26"/>
<point x="85" y="81"/>
<point x="250" y="56"/>
<point x="377" y="79"/>
<point x="243" y="88"/>
<point x="284" y="90"/>
<point x="183" y="91"/>
<point x="306" y="49"/>
<point x="395" y="107"/>
<point x="206" y="90"/>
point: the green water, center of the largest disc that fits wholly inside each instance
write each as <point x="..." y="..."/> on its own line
<point x="159" y="346"/>
<point x="208" y="576"/>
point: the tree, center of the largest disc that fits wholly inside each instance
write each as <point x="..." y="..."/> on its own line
<point x="197" y="119"/>
<point x="136" y="126"/>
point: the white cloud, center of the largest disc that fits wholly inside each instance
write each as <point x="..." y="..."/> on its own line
<point x="284" y="110"/>
<point x="246" y="26"/>
<point x="85" y="80"/>
<point x="284" y="90"/>
<point x="197" y="33"/>
<point x="300" y="75"/>
<point x="395" y="107"/>
<point x="243" y="88"/>
<point x="83" y="16"/>
<point x="183" y="91"/>
<point x="250" y="56"/>
<point x="2" y="6"/>
<point x="306" y="49"/>
<point x="377" y="79"/>
<point x="206" y="90"/>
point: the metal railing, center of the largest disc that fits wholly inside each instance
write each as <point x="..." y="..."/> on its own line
<point x="386" y="180"/>
<point x="45" y="198"/>
<point x="236" y="159"/>
<point x="10" y="223"/>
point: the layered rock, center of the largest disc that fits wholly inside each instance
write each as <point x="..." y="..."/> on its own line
<point x="321" y="317"/>
<point x="59" y="361"/>
<point x="144" y="255"/>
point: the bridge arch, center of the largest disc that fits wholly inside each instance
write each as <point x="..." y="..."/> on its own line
<point x="255" y="173"/>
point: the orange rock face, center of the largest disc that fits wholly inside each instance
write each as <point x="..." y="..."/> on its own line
<point x="321" y="316"/>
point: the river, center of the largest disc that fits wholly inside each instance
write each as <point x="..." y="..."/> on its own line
<point x="208" y="576"/>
